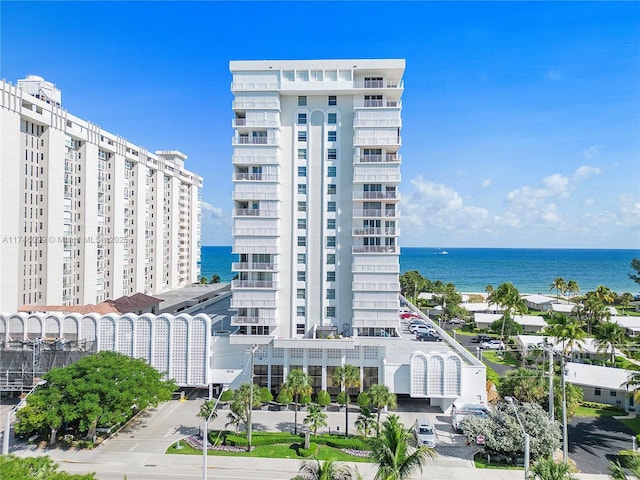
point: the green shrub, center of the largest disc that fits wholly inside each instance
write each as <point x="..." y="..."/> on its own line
<point x="492" y="376"/>
<point x="338" y="441"/>
<point x="341" y="398"/>
<point x="284" y="397"/>
<point x="265" y="395"/>
<point x="261" y="440"/>
<point x="305" y="399"/>
<point x="226" y="396"/>
<point x="364" y="400"/>
<point x="305" y="453"/>
<point x="625" y="455"/>
<point x="323" y="398"/>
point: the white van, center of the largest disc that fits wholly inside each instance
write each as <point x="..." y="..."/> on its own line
<point x="425" y="433"/>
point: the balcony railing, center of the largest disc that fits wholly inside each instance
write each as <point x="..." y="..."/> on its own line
<point x="376" y="231"/>
<point x="377" y="103"/>
<point x="243" y="122"/>
<point x="380" y="287"/>
<point x="254" y="284"/>
<point x="248" y="176"/>
<point x="256" y="231"/>
<point x="376" y="195"/>
<point x="373" y="212"/>
<point x="256" y="104"/>
<point x="252" y="212"/>
<point x="238" y="320"/>
<point x="374" y="268"/>
<point x="377" y="140"/>
<point x="388" y="158"/>
<point x="374" y="249"/>
<point x="377" y="84"/>
<point x="237" y="266"/>
<point x="274" y="85"/>
<point x="251" y="160"/>
<point x="377" y="122"/>
<point x="254" y="141"/>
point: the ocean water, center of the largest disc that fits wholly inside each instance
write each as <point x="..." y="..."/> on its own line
<point x="472" y="269"/>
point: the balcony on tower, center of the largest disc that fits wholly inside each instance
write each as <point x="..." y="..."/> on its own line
<point x="255" y="137"/>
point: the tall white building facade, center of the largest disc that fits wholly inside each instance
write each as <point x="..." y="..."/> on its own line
<point x="316" y="174"/>
<point x="85" y="215"/>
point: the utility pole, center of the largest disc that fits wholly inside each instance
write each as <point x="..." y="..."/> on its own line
<point x="565" y="440"/>
<point x="551" y="372"/>
<point x="253" y="351"/>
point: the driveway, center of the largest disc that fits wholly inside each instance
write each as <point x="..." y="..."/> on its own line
<point x="595" y="442"/>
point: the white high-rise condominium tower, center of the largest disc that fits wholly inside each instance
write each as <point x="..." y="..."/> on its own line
<point x="85" y="215"/>
<point x="316" y="175"/>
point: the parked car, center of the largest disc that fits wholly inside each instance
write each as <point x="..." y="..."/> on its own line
<point x="422" y="329"/>
<point x="456" y="321"/>
<point x="492" y="345"/>
<point x="481" y="338"/>
<point x="425" y="434"/>
<point x="407" y="315"/>
<point x="428" y="337"/>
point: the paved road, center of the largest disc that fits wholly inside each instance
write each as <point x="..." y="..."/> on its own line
<point x="595" y="442"/>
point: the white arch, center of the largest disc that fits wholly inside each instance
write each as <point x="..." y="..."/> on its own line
<point x="71" y="326"/>
<point x="52" y="327"/>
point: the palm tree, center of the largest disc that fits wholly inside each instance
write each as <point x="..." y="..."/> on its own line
<point x="560" y="286"/>
<point x="366" y="422"/>
<point x="573" y="287"/>
<point x="634" y="383"/>
<point x="617" y="471"/>
<point x="381" y="397"/>
<point x="297" y="384"/>
<point x="348" y="376"/>
<point x="549" y="469"/>
<point x="595" y="311"/>
<point x="566" y="330"/>
<point x="604" y="294"/>
<point x="315" y="418"/>
<point x="508" y="296"/>
<point x="625" y="300"/>
<point x="327" y="470"/>
<point x="396" y="459"/>
<point x="608" y="335"/>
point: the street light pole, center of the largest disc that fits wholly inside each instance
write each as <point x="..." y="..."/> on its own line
<point x="205" y="436"/>
<point x="249" y="423"/>
<point x="526" y="438"/>
<point x="565" y="439"/>
<point x="7" y="428"/>
<point x="551" y="400"/>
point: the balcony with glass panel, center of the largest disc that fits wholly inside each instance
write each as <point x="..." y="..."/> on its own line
<point x="390" y="195"/>
<point x="377" y="158"/>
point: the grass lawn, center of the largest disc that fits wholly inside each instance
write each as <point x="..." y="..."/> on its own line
<point x="632" y="423"/>
<point x="280" y="450"/>
<point x="505" y="358"/>
<point x="583" y="411"/>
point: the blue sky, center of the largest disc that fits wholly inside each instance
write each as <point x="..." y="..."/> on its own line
<point x="521" y="121"/>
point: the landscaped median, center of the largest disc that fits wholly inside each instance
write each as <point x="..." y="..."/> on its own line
<point x="278" y="445"/>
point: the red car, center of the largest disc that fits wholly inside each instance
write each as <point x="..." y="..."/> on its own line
<point x="406" y="315"/>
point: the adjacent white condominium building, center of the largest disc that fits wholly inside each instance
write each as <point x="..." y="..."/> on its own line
<point x="85" y="215"/>
<point x="316" y="169"/>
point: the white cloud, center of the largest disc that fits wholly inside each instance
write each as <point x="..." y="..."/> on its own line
<point x="628" y="214"/>
<point x="553" y="75"/>
<point x="487" y="182"/>
<point x="585" y="172"/>
<point x="215" y="212"/>
<point x="593" y="151"/>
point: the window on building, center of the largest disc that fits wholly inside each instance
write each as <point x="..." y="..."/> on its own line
<point x="302" y="241"/>
<point x="332" y="136"/>
<point x="302" y="223"/>
<point x="331" y="189"/>
<point x="300" y="330"/>
<point x="331" y="276"/>
<point x="331" y="206"/>
<point x="302" y="171"/>
<point x="331" y="242"/>
<point x="302" y="154"/>
<point x="332" y="118"/>
<point x="302" y="258"/>
<point x="302" y="206"/>
<point x="302" y="136"/>
<point x="302" y="188"/>
<point x="613" y="393"/>
<point x="597" y="392"/>
<point x="331" y="223"/>
<point x="300" y="311"/>
<point x="331" y="258"/>
<point x="331" y="293"/>
<point x="331" y="312"/>
<point x="302" y="119"/>
<point x="331" y="171"/>
<point x="301" y="293"/>
<point x="332" y="154"/>
<point x="302" y="276"/>
<point x="302" y="101"/>
<point x="332" y="101"/>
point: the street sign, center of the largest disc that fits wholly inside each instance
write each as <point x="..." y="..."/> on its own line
<point x="480" y="439"/>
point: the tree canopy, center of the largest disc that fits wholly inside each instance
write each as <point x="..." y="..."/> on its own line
<point x="503" y="434"/>
<point x="105" y="389"/>
<point x="43" y="468"/>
